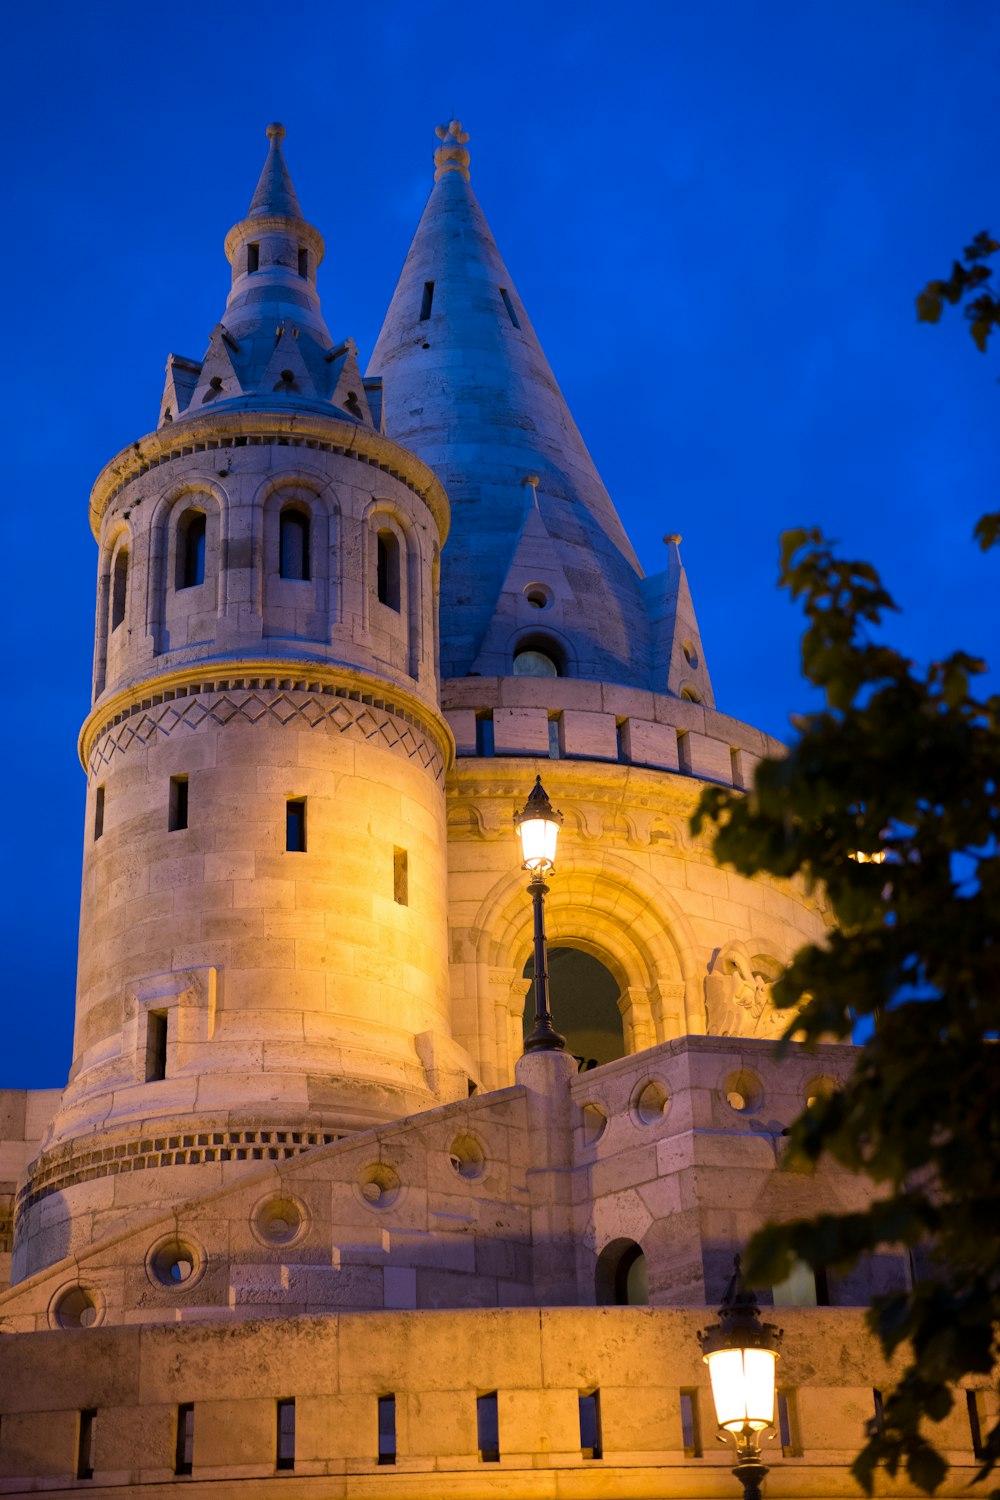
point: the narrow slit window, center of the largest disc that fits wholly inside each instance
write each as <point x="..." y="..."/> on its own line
<point x="295" y="825"/>
<point x="590" y="1425"/>
<point x="555" y="736"/>
<point x="177" y="815"/>
<point x="975" y="1405"/>
<point x="788" y="1424"/>
<point x="388" y="569"/>
<point x="119" y="588"/>
<point x="878" y="1409"/>
<point x="285" y="1456"/>
<point x="684" y="751"/>
<point x="99" y="813"/>
<point x="253" y="258"/>
<point x="623" y="741"/>
<point x="427" y="301"/>
<point x="488" y="1428"/>
<point x="690" y="1424"/>
<point x="387" y="1429"/>
<point x="184" y="1454"/>
<point x="303" y="262"/>
<point x="484" y="734"/>
<point x="400" y="877"/>
<point x="736" y="768"/>
<point x="822" y="1287"/>
<point x="508" y="304"/>
<point x="191" y="535"/>
<point x="156" y="1045"/>
<point x="85" y="1445"/>
<point x="294" y="560"/>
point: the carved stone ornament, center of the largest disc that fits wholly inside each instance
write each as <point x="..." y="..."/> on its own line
<point x="738" y="995"/>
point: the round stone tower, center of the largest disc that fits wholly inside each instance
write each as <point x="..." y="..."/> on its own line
<point x="263" y="950"/>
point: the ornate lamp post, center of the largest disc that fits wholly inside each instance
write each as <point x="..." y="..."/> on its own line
<point x="740" y="1352"/>
<point x="537" y="826"/>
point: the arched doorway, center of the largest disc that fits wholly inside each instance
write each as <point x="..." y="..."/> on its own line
<point x="583" y="996"/>
<point x="620" y="1277"/>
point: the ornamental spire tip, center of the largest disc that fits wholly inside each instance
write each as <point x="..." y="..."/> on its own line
<point x="452" y="155"/>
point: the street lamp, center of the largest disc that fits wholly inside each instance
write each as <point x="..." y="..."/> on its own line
<point x="740" y="1352"/>
<point x="537" y="826"/>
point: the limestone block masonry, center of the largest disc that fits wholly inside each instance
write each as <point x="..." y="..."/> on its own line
<point x="305" y="1212"/>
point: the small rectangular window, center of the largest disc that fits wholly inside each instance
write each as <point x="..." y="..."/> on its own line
<point x="484" y="734"/>
<point x="690" y="1424"/>
<point x="427" y="301"/>
<point x="99" y="812"/>
<point x="156" y="1045"/>
<point x="253" y="258"/>
<point x="684" y="750"/>
<point x="878" y="1410"/>
<point x="624" y="741"/>
<point x="285" y="1457"/>
<point x="555" y="736"/>
<point x="295" y="825"/>
<point x="488" y="1428"/>
<point x="736" y="764"/>
<point x="508" y="304"/>
<point x="975" y="1402"/>
<point x="788" y="1424"/>
<point x="85" y="1446"/>
<point x="400" y="877"/>
<point x="184" y="1453"/>
<point x="590" y="1425"/>
<point x="303" y="262"/>
<point x="177" y="814"/>
<point x="387" y="1429"/>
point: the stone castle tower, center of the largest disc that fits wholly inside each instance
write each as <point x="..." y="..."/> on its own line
<point x="343" y="621"/>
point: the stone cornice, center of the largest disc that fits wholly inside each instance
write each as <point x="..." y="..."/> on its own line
<point x="265" y="677"/>
<point x="218" y="429"/>
<point x="255" y="228"/>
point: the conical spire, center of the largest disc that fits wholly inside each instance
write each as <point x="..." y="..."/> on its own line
<point x="275" y="194"/>
<point x="467" y="387"/>
<point x="272" y="346"/>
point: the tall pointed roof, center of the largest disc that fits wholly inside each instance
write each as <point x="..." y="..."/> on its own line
<point x="272" y="346"/>
<point x="467" y="387"/>
<point x="275" y="193"/>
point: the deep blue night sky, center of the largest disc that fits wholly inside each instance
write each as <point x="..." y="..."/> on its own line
<point x="717" y="216"/>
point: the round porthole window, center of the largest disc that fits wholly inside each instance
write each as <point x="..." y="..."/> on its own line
<point x="538" y="595"/>
<point x="650" y="1103"/>
<point x="77" y="1307"/>
<point x="279" y="1220"/>
<point x="467" y="1157"/>
<point x="175" y="1263"/>
<point x="379" y="1185"/>
<point x="744" y="1092"/>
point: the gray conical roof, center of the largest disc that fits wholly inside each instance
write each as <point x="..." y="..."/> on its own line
<point x="275" y="193"/>
<point x="468" y="388"/>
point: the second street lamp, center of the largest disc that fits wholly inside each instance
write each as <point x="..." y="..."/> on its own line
<point x="537" y="826"/>
<point x="740" y="1352"/>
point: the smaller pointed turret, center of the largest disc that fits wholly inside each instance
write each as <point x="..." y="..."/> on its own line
<point x="272" y="345"/>
<point x="679" y="659"/>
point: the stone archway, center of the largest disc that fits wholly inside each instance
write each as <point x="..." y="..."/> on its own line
<point x="602" y="904"/>
<point x="586" y="1001"/>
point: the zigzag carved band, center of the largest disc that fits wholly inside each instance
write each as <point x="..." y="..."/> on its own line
<point x="253" y="700"/>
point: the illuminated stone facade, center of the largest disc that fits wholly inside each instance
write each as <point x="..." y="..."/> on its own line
<point x="303" y="1208"/>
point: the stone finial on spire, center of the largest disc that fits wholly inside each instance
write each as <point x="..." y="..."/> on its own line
<point x="275" y="194"/>
<point x="452" y="155"/>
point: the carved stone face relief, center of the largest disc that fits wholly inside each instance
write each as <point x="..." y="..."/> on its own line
<point x="738" y="994"/>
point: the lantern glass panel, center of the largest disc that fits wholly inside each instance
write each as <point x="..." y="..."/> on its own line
<point x="538" y="842"/>
<point x="743" y="1388"/>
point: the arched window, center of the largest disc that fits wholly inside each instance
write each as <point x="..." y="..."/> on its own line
<point x="293" y="546"/>
<point x="620" y="1278"/>
<point x="191" y="549"/>
<point x="119" y="587"/>
<point x="538" y="656"/>
<point x="388" y="569"/>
